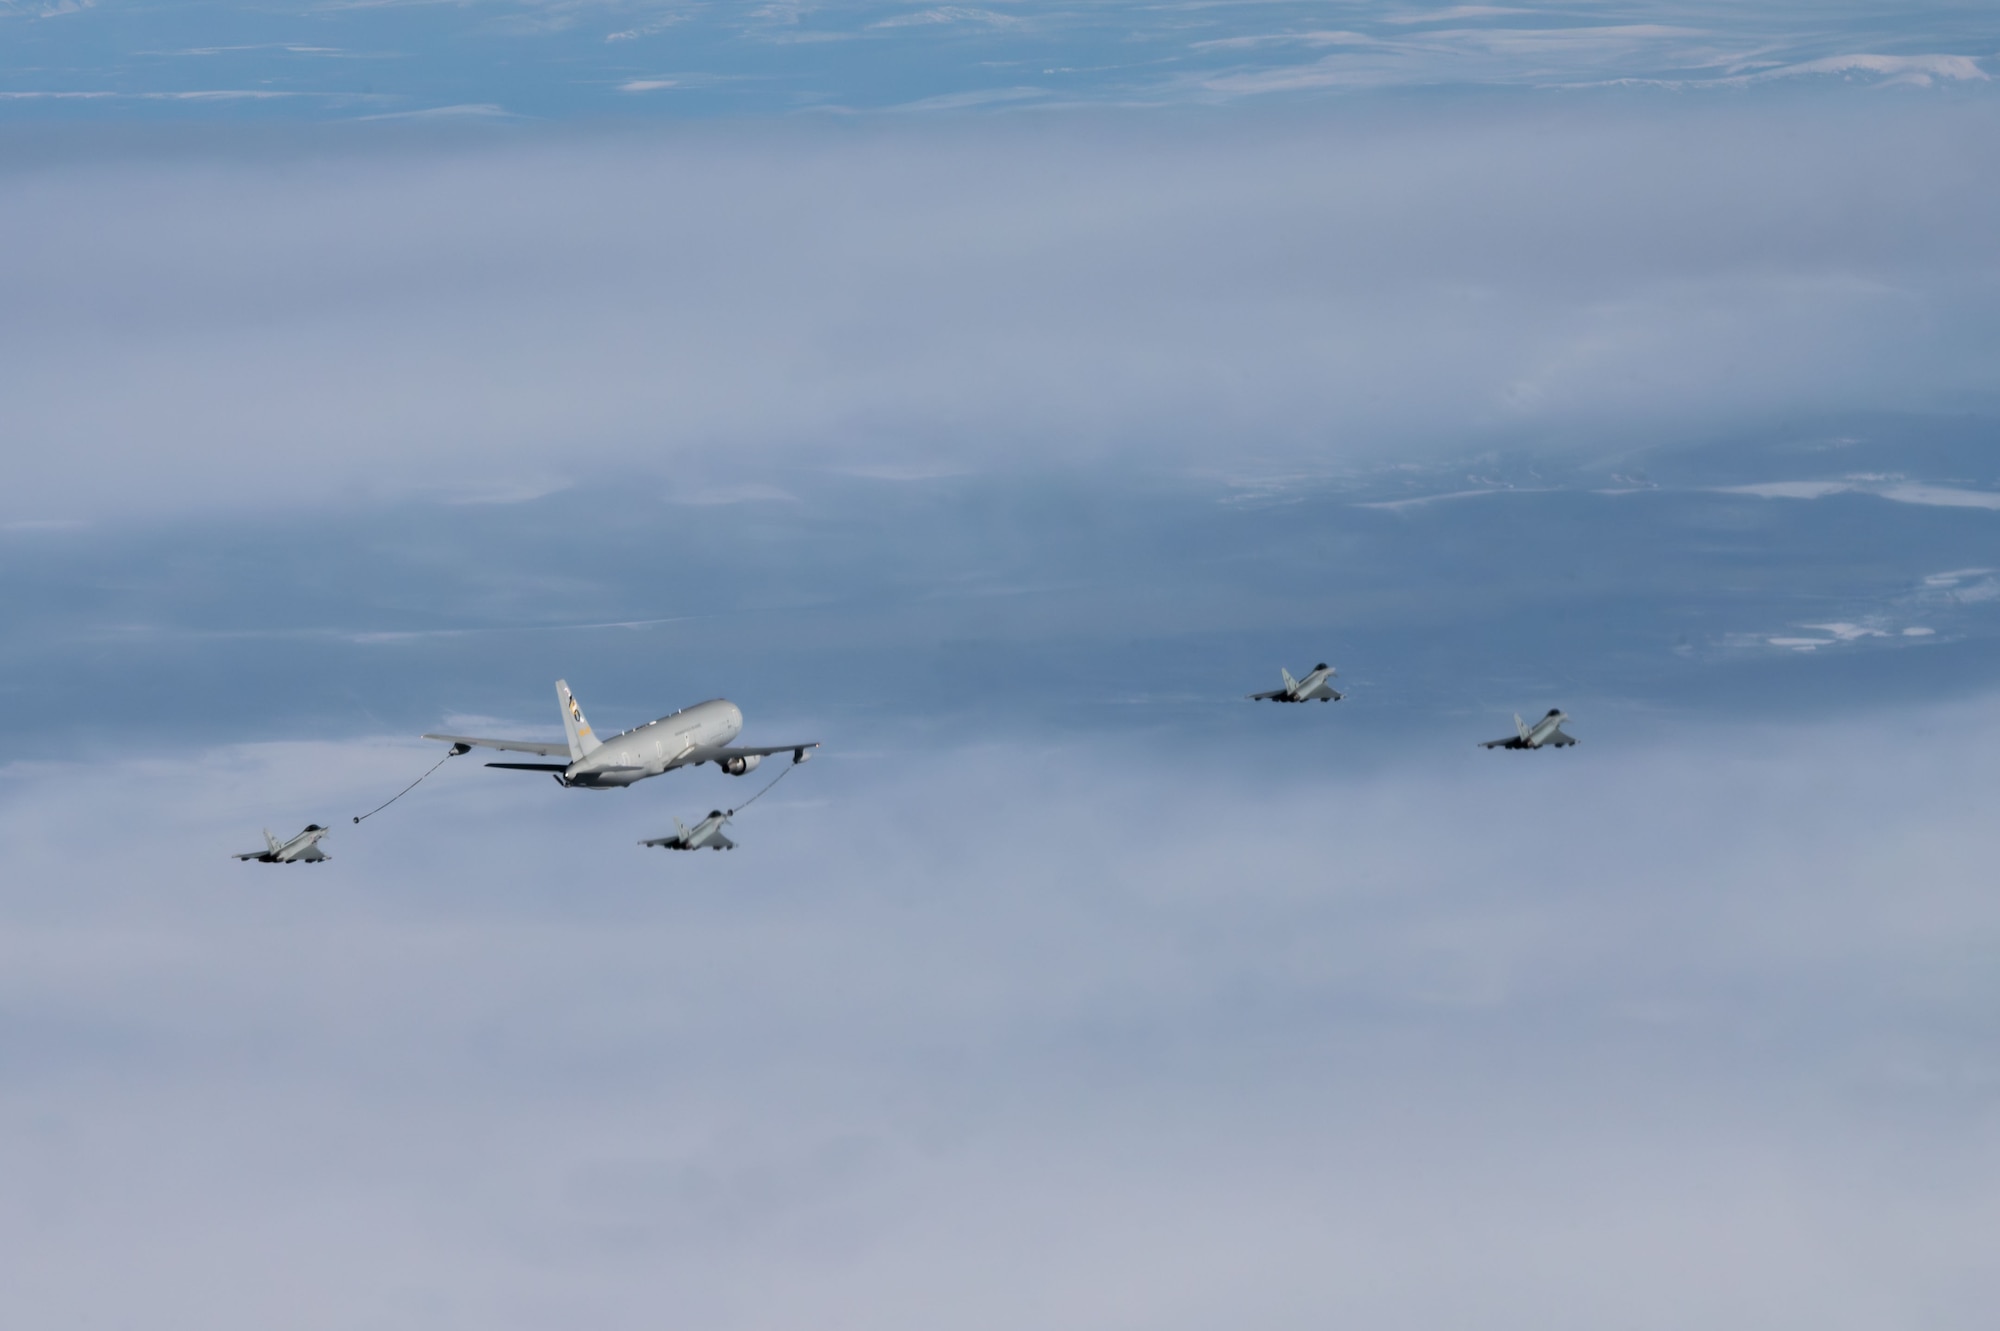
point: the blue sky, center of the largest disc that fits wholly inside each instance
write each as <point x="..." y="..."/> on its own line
<point x="998" y="394"/>
<point x="563" y="58"/>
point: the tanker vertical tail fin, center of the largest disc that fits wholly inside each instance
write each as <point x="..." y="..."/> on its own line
<point x="581" y="738"/>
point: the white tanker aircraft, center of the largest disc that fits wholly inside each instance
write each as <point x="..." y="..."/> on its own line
<point x="687" y="738"/>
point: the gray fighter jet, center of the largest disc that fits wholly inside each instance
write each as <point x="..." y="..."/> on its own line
<point x="687" y="738"/>
<point x="303" y="847"/>
<point x="1547" y="732"/>
<point x="1314" y="685"/>
<point x="707" y="832"/>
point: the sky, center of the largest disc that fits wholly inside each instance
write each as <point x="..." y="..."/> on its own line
<point x="684" y="58"/>
<point x="998" y="395"/>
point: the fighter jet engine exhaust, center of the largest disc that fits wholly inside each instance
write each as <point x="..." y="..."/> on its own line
<point x="741" y="766"/>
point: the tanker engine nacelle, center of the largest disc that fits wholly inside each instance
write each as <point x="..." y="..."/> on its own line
<point x="738" y="766"/>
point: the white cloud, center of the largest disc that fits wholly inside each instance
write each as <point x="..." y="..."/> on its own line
<point x="1321" y="37"/>
<point x="191" y="95"/>
<point x="1845" y="632"/>
<point x="1421" y="500"/>
<point x="453" y="111"/>
<point x="951" y="14"/>
<point x="1937" y="496"/>
<point x="193" y="327"/>
<point x="1942" y="496"/>
<point x="1642" y="1033"/>
<point x="1452" y="13"/>
<point x="1916" y="69"/>
<point x="1788" y="489"/>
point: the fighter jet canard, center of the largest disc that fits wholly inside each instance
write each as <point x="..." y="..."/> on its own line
<point x="303" y="848"/>
<point x="687" y="738"/>
<point x="1313" y="687"/>
<point x="1545" y="733"/>
<point x="706" y="833"/>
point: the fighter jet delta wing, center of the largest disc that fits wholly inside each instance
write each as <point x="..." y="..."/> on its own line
<point x="1313" y="688"/>
<point x="705" y="836"/>
<point x="706" y="833"/>
<point x="1545" y="733"/>
<point x="303" y="848"/>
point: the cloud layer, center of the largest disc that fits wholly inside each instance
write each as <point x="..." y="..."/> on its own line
<point x="562" y="58"/>
<point x="1649" y="1032"/>
<point x="218" y="326"/>
<point x="1066" y="988"/>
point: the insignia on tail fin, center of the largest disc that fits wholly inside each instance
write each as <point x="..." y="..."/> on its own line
<point x="581" y="738"/>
